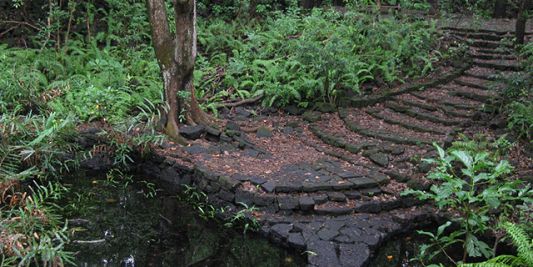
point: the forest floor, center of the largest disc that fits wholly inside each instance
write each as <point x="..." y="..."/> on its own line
<point x="329" y="180"/>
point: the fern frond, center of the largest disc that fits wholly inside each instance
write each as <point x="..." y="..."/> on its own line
<point x="522" y="241"/>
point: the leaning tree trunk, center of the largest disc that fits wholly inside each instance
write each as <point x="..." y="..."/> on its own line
<point x="176" y="56"/>
<point x="521" y="20"/>
<point x="500" y="8"/>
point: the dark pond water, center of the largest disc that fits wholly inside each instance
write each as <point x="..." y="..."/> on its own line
<point x="117" y="225"/>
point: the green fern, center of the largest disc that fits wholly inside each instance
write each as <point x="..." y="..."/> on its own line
<point x="524" y="245"/>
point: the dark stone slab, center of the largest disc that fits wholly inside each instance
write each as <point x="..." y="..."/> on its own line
<point x="312" y="116"/>
<point x="287" y="202"/>
<point x="369" y="207"/>
<point x="353" y="255"/>
<point x="281" y="230"/>
<point x="264" y="200"/>
<point x="296" y="240"/>
<point x="226" y="195"/>
<point x="196" y="149"/>
<point x="192" y="132"/>
<point x="380" y="159"/>
<point x="327" y="234"/>
<point x="245" y="197"/>
<point x="264" y="132"/>
<point x="325" y="107"/>
<point x="232" y="126"/>
<point x="353" y="194"/>
<point x="288" y="188"/>
<point x="333" y="210"/>
<point x="306" y="203"/>
<point x="371" y="191"/>
<point x="320" y="199"/>
<point x="336" y="196"/>
<point x="257" y="180"/>
<point x="324" y="254"/>
<point x="269" y="186"/>
<point x="363" y="182"/>
<point x="228" y="182"/>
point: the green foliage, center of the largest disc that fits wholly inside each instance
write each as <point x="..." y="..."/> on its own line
<point x="32" y="234"/>
<point x="472" y="185"/>
<point x="241" y="217"/>
<point x="521" y="240"/>
<point x="297" y="58"/>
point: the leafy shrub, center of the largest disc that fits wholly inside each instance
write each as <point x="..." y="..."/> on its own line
<point x="472" y="186"/>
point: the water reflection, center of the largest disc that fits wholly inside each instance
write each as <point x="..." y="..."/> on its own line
<point x="115" y="225"/>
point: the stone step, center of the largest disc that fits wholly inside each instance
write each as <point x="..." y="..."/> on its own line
<point x="415" y="127"/>
<point x="473" y="83"/>
<point x="485" y="31"/>
<point x="470" y="95"/>
<point x="505" y="65"/>
<point x="340" y="142"/>
<point x="337" y="202"/>
<point x="492" y="56"/>
<point x="387" y="136"/>
<point x="497" y="52"/>
<point x="446" y="109"/>
<point x="490" y="77"/>
<point x="447" y="102"/>
<point x="480" y="35"/>
<point x="413" y="112"/>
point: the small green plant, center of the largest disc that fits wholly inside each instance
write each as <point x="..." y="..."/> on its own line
<point x="521" y="240"/>
<point x="242" y="217"/>
<point x="473" y="187"/>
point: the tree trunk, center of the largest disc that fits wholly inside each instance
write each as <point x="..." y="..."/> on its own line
<point x="500" y="8"/>
<point x="176" y="56"/>
<point x="521" y="20"/>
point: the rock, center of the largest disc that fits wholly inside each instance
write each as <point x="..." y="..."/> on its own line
<point x="264" y="131"/>
<point x="264" y="200"/>
<point x="242" y="112"/>
<point x="336" y="196"/>
<point x="296" y="240"/>
<point x="294" y="110"/>
<point x="196" y="149"/>
<point x="287" y="202"/>
<point x="417" y="184"/>
<point x="353" y="195"/>
<point x="380" y="159"/>
<point x="288" y="130"/>
<point x="320" y="199"/>
<point x="281" y="230"/>
<point x="306" y="203"/>
<point x="333" y="210"/>
<point x="192" y="132"/>
<point x="269" y="186"/>
<point x="312" y="116"/>
<point x="369" y="207"/>
<point x="257" y="180"/>
<point x="324" y="254"/>
<point x="226" y="195"/>
<point x="363" y="182"/>
<point x="371" y="191"/>
<point x="353" y="255"/>
<point x="244" y="197"/>
<point x="232" y="126"/>
<point x="397" y="150"/>
<point x="424" y="167"/>
<point x="325" y="107"/>
<point x="327" y="234"/>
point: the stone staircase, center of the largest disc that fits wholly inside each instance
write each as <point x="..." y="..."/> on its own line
<point x="343" y="202"/>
